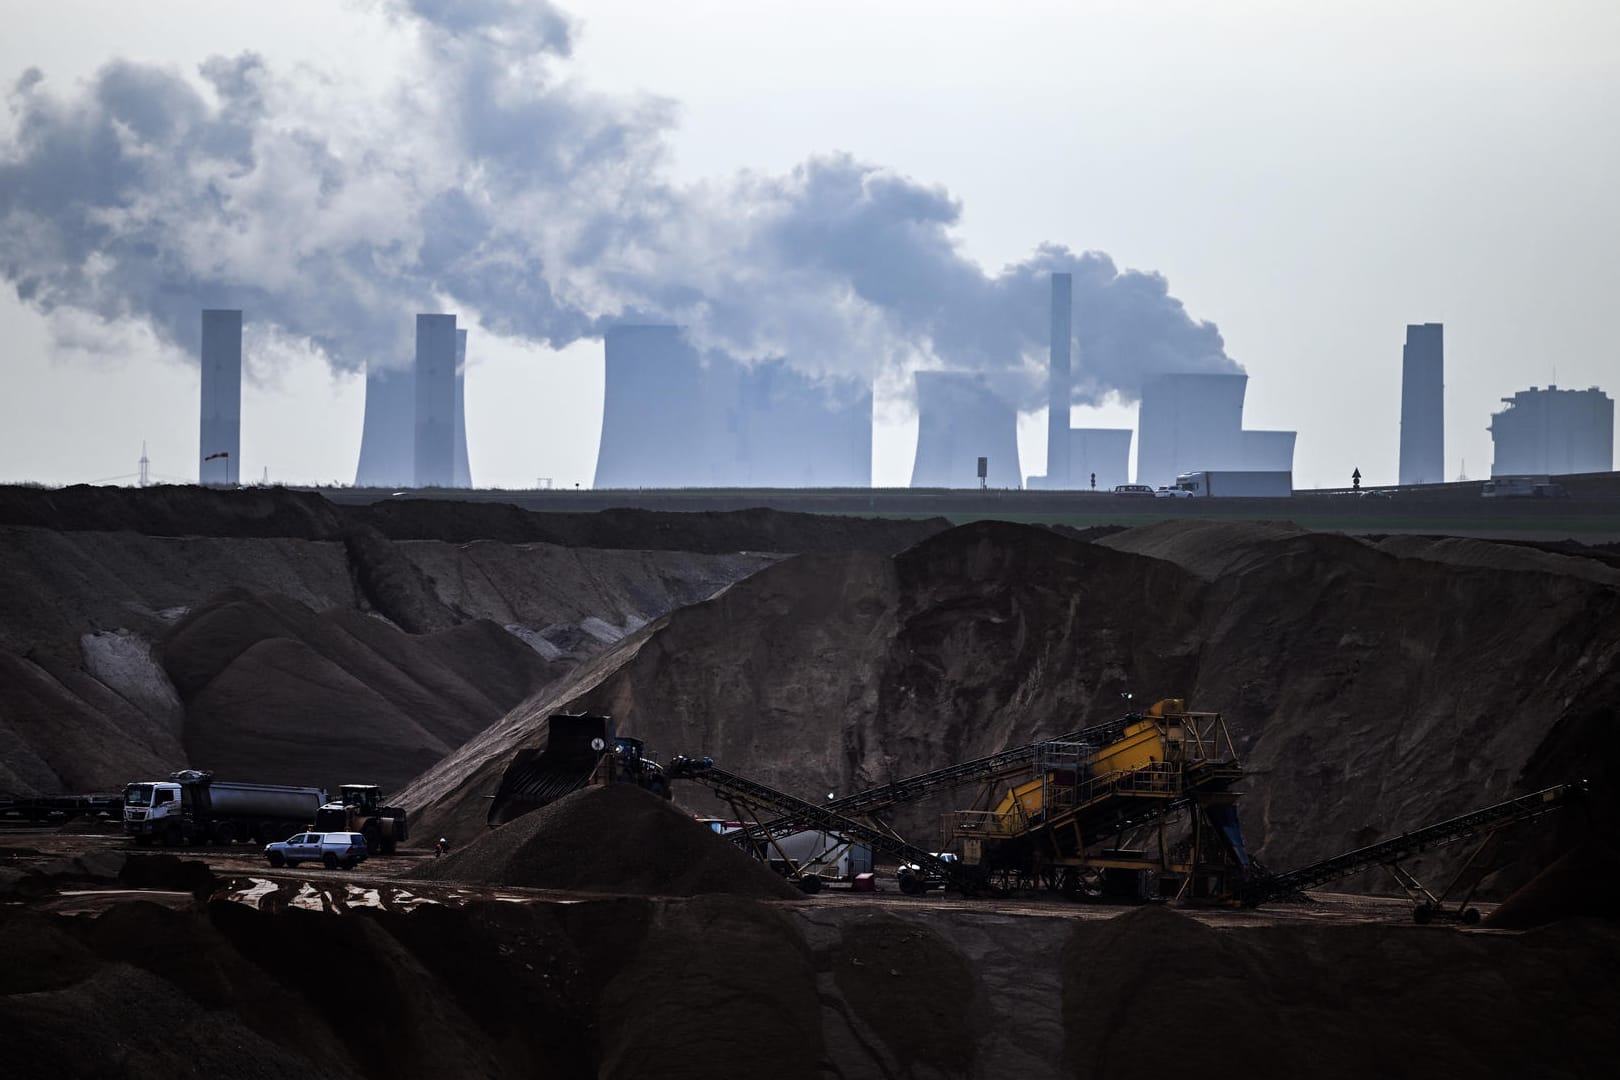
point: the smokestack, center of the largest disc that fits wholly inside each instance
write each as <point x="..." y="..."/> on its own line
<point x="1058" y="384"/>
<point x="435" y="400"/>
<point x="219" y="450"/>
<point x="463" y="469"/>
<point x="1423" y="405"/>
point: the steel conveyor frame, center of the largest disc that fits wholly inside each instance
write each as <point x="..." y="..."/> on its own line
<point x="1389" y="853"/>
<point x="731" y="787"/>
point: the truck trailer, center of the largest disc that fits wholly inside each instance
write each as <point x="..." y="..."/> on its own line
<point x="191" y="807"/>
<point x="1234" y="484"/>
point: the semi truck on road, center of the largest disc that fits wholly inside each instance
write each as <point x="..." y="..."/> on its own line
<point x="1234" y="484"/>
<point x="191" y="807"/>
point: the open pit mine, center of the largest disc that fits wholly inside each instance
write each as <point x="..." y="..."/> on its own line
<point x="422" y="788"/>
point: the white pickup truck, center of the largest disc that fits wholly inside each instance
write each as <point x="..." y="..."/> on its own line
<point x="332" y="850"/>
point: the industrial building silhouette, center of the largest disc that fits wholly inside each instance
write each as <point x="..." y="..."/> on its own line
<point x="219" y="446"/>
<point x="1553" y="432"/>
<point x="1423" y="405"/>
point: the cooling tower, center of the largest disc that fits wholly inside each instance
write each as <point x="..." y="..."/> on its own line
<point x="959" y="420"/>
<point x="671" y="418"/>
<point x="435" y="455"/>
<point x="388" y="437"/>
<point x="1058" y="443"/>
<point x="1423" y="405"/>
<point x="654" y="432"/>
<point x="219" y="449"/>
<point x="1268" y="451"/>
<point x="463" y="471"/>
<point x="1103" y="451"/>
<point x="1187" y="422"/>
<point x="792" y="431"/>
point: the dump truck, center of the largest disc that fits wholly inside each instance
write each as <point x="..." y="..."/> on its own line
<point x="1236" y="484"/>
<point x="191" y="807"/>
<point x="359" y="808"/>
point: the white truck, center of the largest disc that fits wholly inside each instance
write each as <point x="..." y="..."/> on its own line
<point x="1236" y="484"/>
<point x="191" y="807"/>
<point x="810" y="858"/>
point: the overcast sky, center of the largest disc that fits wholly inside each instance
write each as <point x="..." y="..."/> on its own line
<point x="1308" y="178"/>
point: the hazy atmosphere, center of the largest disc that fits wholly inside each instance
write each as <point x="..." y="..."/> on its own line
<point x="856" y="189"/>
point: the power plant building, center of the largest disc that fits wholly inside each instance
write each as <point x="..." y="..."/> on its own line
<point x="1423" y="405"/>
<point x="1553" y="432"/>
<point x="959" y="420"/>
<point x="219" y="448"/>
<point x="1192" y="421"/>
<point x="672" y="417"/>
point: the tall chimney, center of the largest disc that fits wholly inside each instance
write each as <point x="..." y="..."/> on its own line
<point x="435" y="400"/>
<point x="463" y="470"/>
<point x="1058" y="384"/>
<point x="219" y="450"/>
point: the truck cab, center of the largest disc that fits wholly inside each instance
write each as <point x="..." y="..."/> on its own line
<point x="156" y="811"/>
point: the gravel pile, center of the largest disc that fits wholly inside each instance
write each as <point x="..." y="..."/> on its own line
<point x="616" y="839"/>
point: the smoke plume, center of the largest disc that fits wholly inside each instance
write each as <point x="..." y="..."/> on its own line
<point x="493" y="186"/>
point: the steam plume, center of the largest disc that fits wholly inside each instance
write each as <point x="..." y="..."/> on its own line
<point x="503" y="189"/>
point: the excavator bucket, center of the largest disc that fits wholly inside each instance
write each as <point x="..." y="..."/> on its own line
<point x="573" y="749"/>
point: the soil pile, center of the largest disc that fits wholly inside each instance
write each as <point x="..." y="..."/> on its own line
<point x="279" y="513"/>
<point x="265" y="681"/>
<point x="712" y="531"/>
<point x="126" y="655"/>
<point x="617" y="839"/>
<point x="1583" y="883"/>
<point x="721" y="985"/>
<point x="1366" y="693"/>
<point x="1267" y="1002"/>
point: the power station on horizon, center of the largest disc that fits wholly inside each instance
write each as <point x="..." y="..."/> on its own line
<point x="765" y="424"/>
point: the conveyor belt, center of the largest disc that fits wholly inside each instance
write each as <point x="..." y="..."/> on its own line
<point x="1259" y="890"/>
<point x="978" y="770"/>
<point x="809" y="815"/>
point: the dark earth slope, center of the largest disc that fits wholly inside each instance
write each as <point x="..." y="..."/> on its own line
<point x="725" y="986"/>
<point x="146" y="630"/>
<point x="1368" y="693"/>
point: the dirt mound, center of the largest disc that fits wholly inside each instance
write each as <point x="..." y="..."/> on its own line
<point x="1583" y="883"/>
<point x="1487" y="554"/>
<point x="419" y="643"/>
<point x="277" y="512"/>
<point x="912" y="988"/>
<point x="267" y="683"/>
<point x="617" y="839"/>
<point x="1366" y="694"/>
<point x="712" y="531"/>
<point x="721" y="985"/>
<point x="1265" y="1002"/>
<point x="173" y="510"/>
